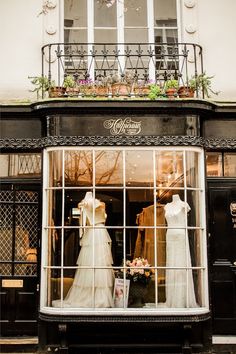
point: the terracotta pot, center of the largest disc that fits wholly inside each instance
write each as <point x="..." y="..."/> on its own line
<point x="142" y="90"/>
<point x="185" y="92"/>
<point x="121" y="90"/>
<point x="72" y="91"/>
<point x="101" y="91"/>
<point x="171" y="93"/>
<point x="57" y="91"/>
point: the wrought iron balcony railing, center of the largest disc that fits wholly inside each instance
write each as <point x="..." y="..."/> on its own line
<point x="119" y="70"/>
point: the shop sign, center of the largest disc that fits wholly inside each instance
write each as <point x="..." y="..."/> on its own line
<point x="12" y="283"/>
<point x="125" y="126"/>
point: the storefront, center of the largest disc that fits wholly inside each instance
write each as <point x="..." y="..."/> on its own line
<point x="126" y="200"/>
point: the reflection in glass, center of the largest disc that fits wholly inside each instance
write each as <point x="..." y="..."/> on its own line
<point x="78" y="168"/>
<point x="192" y="176"/>
<point x="194" y="215"/>
<point x="71" y="247"/>
<point x="214" y="164"/>
<point x="54" y="207"/>
<point x="139" y="168"/>
<point x="230" y="164"/>
<point x="75" y="13"/>
<point x="54" y="285"/>
<point x="135" y="13"/>
<point x="195" y="237"/>
<point x="55" y="168"/>
<point x="109" y="168"/>
<point x="165" y="13"/>
<point x="169" y="169"/>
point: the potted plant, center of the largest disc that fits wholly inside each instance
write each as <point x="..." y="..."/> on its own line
<point x="102" y="86"/>
<point x="202" y="82"/>
<point x="123" y="85"/>
<point x="171" y="87"/>
<point x="186" y="91"/>
<point x="71" y="86"/>
<point x="155" y="92"/>
<point x="86" y="87"/>
<point x="42" y="84"/>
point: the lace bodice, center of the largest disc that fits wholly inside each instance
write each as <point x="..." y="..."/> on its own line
<point x="175" y="213"/>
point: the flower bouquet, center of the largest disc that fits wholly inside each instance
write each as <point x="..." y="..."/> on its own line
<point x="138" y="270"/>
<point x="139" y="273"/>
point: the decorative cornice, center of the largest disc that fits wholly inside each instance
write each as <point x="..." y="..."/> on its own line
<point x="36" y="144"/>
<point x="220" y="143"/>
<point x="157" y="318"/>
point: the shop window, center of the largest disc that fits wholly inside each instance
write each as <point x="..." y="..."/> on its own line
<point x="20" y="165"/>
<point x="220" y="164"/>
<point x="123" y="229"/>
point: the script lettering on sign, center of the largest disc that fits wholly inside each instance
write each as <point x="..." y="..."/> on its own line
<point x="120" y="126"/>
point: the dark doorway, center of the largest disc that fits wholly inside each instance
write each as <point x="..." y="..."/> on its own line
<point x="222" y="236"/>
<point x="19" y="257"/>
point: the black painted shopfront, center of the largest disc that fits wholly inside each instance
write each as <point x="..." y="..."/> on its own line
<point x="132" y="155"/>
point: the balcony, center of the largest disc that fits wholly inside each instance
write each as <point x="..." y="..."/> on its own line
<point x="121" y="71"/>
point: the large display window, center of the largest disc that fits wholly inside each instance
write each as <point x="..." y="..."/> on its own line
<point x="124" y="230"/>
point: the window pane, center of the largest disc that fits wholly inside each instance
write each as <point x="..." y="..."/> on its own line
<point x="54" y="207"/>
<point x="135" y="13"/>
<point x="136" y="35"/>
<point x="230" y="165"/>
<point x="139" y="168"/>
<point x="192" y="168"/>
<point x="109" y="168"/>
<point x="167" y="36"/>
<point x="78" y="168"/>
<point x="214" y="164"/>
<point x="55" y="168"/>
<point x="104" y="16"/>
<point x="165" y="14"/>
<point x="194" y="213"/>
<point x="75" y="13"/>
<point x="169" y="169"/>
<point x="75" y="36"/>
<point x="20" y="165"/>
<point x="105" y="36"/>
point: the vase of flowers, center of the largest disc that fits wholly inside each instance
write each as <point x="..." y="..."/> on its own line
<point x="139" y="272"/>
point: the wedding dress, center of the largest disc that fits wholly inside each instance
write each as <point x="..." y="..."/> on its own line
<point x="178" y="255"/>
<point x="92" y="287"/>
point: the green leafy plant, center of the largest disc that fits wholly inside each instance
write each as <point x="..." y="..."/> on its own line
<point x="171" y="84"/>
<point x="69" y="82"/>
<point x="202" y="82"/>
<point x="155" y="92"/>
<point x="42" y="84"/>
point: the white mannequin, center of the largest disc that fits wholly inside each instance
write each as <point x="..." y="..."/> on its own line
<point x="178" y="255"/>
<point x="92" y="286"/>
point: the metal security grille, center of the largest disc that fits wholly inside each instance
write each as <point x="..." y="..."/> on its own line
<point x="18" y="231"/>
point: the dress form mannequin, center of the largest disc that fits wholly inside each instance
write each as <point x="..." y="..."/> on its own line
<point x="178" y="255"/>
<point x="92" y="287"/>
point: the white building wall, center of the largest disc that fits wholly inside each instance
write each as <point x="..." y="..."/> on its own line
<point x="210" y="23"/>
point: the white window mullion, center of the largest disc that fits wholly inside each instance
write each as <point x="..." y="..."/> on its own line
<point x="151" y="36"/>
<point x="90" y="22"/>
<point x="121" y="32"/>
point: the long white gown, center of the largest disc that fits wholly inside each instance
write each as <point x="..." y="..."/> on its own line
<point x="95" y="251"/>
<point x="178" y="255"/>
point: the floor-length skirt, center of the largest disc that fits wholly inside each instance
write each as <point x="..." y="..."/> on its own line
<point x="179" y="282"/>
<point x="92" y="286"/>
